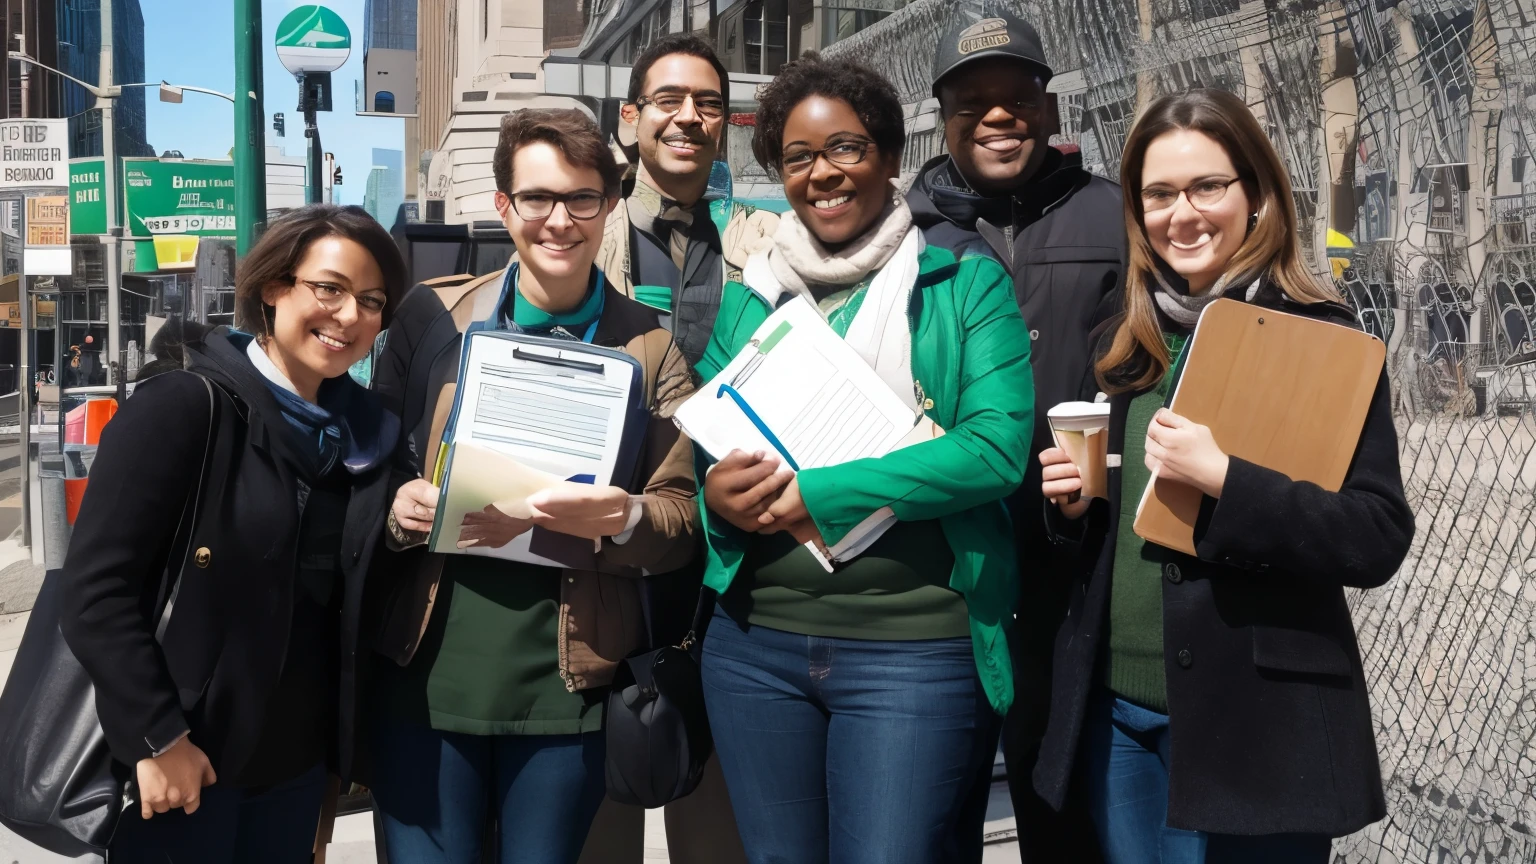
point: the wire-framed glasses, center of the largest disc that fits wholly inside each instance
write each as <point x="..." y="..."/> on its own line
<point x="800" y="160"/>
<point x="1202" y="195"/>
<point x="333" y="297"/>
<point x="708" y="107"/>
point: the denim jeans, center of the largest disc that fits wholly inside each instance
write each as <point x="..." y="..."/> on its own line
<point x="435" y="791"/>
<point x="1125" y="762"/>
<point x="231" y="826"/>
<point x="845" y="750"/>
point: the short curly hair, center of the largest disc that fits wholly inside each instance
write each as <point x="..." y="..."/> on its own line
<point x="870" y="95"/>
<point x="568" y="130"/>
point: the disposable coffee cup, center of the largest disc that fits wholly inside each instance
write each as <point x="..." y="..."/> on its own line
<point x="1082" y="430"/>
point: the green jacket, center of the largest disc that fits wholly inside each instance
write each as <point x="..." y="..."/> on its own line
<point x="970" y="353"/>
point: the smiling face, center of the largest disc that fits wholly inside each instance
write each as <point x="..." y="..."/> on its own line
<point x="997" y="123"/>
<point x="1196" y="243"/>
<point x="679" y="146"/>
<point x="327" y="319"/>
<point x="556" y="248"/>
<point x="837" y="202"/>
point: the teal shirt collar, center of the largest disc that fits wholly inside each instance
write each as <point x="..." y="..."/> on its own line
<point x="530" y="317"/>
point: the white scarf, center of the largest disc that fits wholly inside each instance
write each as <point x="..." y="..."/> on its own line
<point x="880" y="331"/>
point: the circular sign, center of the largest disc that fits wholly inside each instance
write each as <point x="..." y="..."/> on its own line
<point x="313" y="39"/>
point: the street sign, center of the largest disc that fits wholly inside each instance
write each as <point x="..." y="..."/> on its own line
<point x="87" y="196"/>
<point x="313" y="39"/>
<point x="178" y="197"/>
<point x="34" y="153"/>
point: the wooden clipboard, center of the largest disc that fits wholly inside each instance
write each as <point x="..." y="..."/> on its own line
<point x="1278" y="390"/>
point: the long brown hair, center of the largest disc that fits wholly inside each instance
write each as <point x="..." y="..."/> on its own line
<point x="1138" y="358"/>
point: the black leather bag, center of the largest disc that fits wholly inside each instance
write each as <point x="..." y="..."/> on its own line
<point x="658" y="732"/>
<point x="60" y="788"/>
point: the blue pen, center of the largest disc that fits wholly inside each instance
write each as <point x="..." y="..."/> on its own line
<point x="758" y="422"/>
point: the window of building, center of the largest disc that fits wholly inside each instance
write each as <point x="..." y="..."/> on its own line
<point x="843" y="18"/>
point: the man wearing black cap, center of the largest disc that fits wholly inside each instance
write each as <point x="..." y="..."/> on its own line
<point x="1003" y="191"/>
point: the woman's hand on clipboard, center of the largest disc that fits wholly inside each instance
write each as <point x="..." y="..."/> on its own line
<point x="1185" y="452"/>
<point x="789" y="514"/>
<point x="741" y="487"/>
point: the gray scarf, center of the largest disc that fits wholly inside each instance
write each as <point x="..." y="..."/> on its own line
<point x="1185" y="308"/>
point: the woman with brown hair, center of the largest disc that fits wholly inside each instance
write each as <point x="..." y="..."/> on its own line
<point x="1213" y="706"/>
<point x="255" y="481"/>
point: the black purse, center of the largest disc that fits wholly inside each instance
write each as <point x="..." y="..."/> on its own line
<point x="60" y="788"/>
<point x="658" y="732"/>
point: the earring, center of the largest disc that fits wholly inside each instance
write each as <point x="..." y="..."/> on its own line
<point x="1253" y="221"/>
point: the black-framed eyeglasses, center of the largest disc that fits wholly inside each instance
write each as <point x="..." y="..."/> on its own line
<point x="1202" y="195"/>
<point x="708" y="107"/>
<point x="583" y="204"/>
<point x="799" y="161"/>
<point x="333" y="297"/>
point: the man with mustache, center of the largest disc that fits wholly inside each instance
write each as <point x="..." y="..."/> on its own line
<point x="667" y="245"/>
<point x="670" y="246"/>
<point x="1003" y="191"/>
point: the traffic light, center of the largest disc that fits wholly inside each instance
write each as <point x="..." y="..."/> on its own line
<point x="277" y="124"/>
<point x="336" y="176"/>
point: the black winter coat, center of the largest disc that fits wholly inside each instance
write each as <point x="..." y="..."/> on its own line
<point x="1061" y="240"/>
<point x="226" y="639"/>
<point x="1269" y="713"/>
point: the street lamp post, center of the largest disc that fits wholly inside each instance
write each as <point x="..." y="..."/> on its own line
<point x="106" y="95"/>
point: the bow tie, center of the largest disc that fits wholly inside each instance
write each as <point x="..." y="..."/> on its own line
<point x="671" y="211"/>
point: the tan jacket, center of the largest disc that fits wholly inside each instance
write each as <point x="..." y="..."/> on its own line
<point x="600" y="614"/>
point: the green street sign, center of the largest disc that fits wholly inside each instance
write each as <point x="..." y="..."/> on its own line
<point x="313" y="39"/>
<point x="87" y="196"/>
<point x="175" y="196"/>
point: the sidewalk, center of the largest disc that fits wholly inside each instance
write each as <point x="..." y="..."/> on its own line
<point x="352" y="842"/>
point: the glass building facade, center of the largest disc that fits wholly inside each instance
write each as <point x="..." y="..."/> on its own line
<point x="389" y="24"/>
<point x="79" y="25"/>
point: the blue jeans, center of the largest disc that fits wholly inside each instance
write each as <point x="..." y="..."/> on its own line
<point x="231" y="826"/>
<point x="845" y="750"/>
<point x="1125" y="764"/>
<point x="436" y="790"/>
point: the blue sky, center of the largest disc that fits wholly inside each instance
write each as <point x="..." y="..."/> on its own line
<point x="192" y="42"/>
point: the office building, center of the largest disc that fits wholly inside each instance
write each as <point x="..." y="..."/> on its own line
<point x="79" y="54"/>
<point x="31" y="26"/>
<point x="386" y="187"/>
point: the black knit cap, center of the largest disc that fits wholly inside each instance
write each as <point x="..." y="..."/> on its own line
<point x="1001" y="34"/>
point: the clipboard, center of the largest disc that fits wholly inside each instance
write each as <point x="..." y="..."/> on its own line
<point x="531" y="412"/>
<point x="1283" y="391"/>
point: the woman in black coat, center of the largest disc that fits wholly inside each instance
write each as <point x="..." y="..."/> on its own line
<point x="1213" y="706"/>
<point x="257" y="476"/>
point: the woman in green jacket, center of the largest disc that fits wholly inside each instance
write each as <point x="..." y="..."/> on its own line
<point x="862" y="698"/>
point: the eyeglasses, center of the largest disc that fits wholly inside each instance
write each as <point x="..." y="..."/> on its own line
<point x="708" y="107"/>
<point x="332" y="297"/>
<point x="797" y="162"/>
<point x="534" y="206"/>
<point x="1202" y="195"/>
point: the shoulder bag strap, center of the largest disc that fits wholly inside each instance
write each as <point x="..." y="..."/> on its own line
<point x="170" y="582"/>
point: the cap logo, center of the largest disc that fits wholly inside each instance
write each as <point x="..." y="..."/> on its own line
<point x="986" y="33"/>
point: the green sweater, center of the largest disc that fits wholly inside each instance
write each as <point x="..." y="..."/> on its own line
<point x="1133" y="667"/>
<point x="970" y="351"/>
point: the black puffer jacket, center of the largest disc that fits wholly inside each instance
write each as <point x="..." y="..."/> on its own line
<point x="1061" y="238"/>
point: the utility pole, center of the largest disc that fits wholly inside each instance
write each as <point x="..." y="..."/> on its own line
<point x="314" y="95"/>
<point x="110" y="250"/>
<point x="250" y="122"/>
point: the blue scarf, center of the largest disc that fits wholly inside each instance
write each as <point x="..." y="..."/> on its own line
<point x="322" y="427"/>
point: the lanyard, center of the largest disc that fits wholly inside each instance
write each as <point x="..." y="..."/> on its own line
<point x="511" y="314"/>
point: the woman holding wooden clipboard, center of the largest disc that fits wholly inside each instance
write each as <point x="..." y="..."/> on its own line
<point x="1212" y="706"/>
